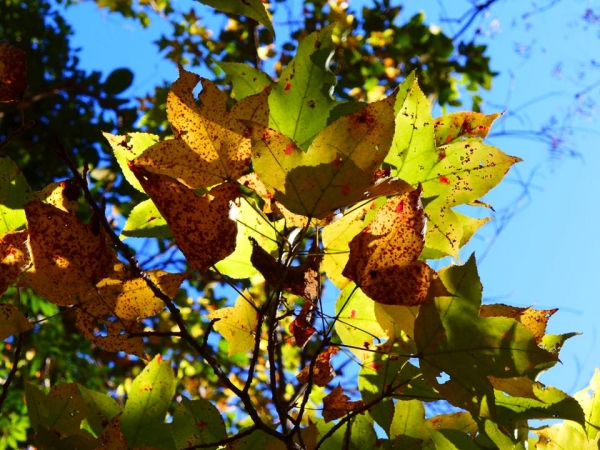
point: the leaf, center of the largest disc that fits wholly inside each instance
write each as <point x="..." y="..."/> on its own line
<point x="200" y="225"/>
<point x="14" y="193"/>
<point x="337" y="404"/>
<point x="322" y="372"/>
<point x="300" y="280"/>
<point x="492" y="346"/>
<point x="126" y="148"/>
<point x="118" y="81"/>
<point x="453" y="126"/>
<point x="301" y="101"/>
<point x="409" y="420"/>
<point x="209" y="145"/>
<point x="69" y="258"/>
<point x="258" y="439"/>
<point x="13" y="73"/>
<point x="15" y="257"/>
<point x="301" y="327"/>
<point x="535" y="320"/>
<point x="12" y="321"/>
<point x="383" y="257"/>
<point x="151" y="393"/>
<point x="333" y="173"/>
<point x="112" y="438"/>
<point x="252" y="224"/>
<point x="62" y="194"/>
<point x="197" y="422"/>
<point x="246" y="80"/>
<point x="358" y="433"/>
<point x="101" y="409"/>
<point x="146" y="221"/>
<point x="336" y="238"/>
<point x="237" y="324"/>
<point x="590" y="403"/>
<point x="254" y="9"/>
<point x="562" y="436"/>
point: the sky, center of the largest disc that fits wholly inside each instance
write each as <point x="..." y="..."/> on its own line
<point x="546" y="255"/>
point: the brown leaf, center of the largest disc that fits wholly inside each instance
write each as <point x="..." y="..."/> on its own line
<point x="14" y="257"/>
<point x="383" y="258"/>
<point x="336" y="405"/>
<point x="13" y="73"/>
<point x="323" y="371"/>
<point x="200" y="224"/>
<point x="301" y="280"/>
<point x="535" y="320"/>
<point x="69" y="258"/>
<point x="301" y="328"/>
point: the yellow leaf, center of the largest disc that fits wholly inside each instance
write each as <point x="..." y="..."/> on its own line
<point x="12" y="321"/>
<point x="200" y="224"/>
<point x="237" y="324"/>
<point x="209" y="145"/>
<point x="15" y="257"/>
<point x="62" y="194"/>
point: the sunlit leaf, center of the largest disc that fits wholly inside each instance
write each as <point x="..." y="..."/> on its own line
<point x="301" y="101"/>
<point x="255" y="9"/>
<point x="143" y="418"/>
<point x="333" y="173"/>
<point x="562" y="436"/>
<point x="383" y="257"/>
<point x="14" y="193"/>
<point x="197" y="422"/>
<point x="322" y="372"/>
<point x="589" y="400"/>
<point x="246" y="80"/>
<point x="534" y="319"/>
<point x="409" y="420"/>
<point x="200" y="224"/>
<point x="146" y="221"/>
<point x="62" y="194"/>
<point x="101" y="409"/>
<point x="15" y="257"/>
<point x="237" y="324"/>
<point x="12" y="321"/>
<point x="466" y="124"/>
<point x="209" y="146"/>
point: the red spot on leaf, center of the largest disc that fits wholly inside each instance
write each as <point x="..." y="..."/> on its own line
<point x="353" y="314"/>
<point x="159" y="358"/>
<point x="400" y="208"/>
<point x="287" y="87"/>
<point x="441" y="155"/>
<point x="345" y="189"/>
<point x="337" y="163"/>
<point x="449" y="138"/>
<point x="289" y="149"/>
<point x="375" y="366"/>
<point x="444" y="180"/>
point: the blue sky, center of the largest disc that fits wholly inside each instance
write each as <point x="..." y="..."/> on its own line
<point x="546" y="255"/>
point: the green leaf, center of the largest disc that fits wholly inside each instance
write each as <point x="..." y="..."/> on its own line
<point x="254" y="9"/>
<point x="300" y="102"/>
<point x="257" y="440"/>
<point x="146" y="221"/>
<point x="151" y="393"/>
<point x="14" y="193"/>
<point x="589" y="399"/>
<point x="409" y="420"/>
<point x="452" y="440"/>
<point x="118" y="81"/>
<point x="197" y="422"/>
<point x="128" y="147"/>
<point x="565" y="435"/>
<point x="246" y="80"/>
<point x="333" y="172"/>
<point x="454" y="341"/>
<point x="453" y="126"/>
<point x="101" y="409"/>
<point x="12" y="321"/>
<point x="357" y="434"/>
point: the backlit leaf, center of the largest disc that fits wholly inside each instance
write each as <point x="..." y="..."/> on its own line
<point x="323" y="371"/>
<point x="383" y="257"/>
<point x="146" y="221"/>
<point x="209" y="146"/>
<point x="237" y="324"/>
<point x="462" y="124"/>
<point x="62" y="194"/>
<point x="15" y="257"/>
<point x="200" y="224"/>
<point x="409" y="420"/>
<point x="337" y="404"/>
<point x="301" y="327"/>
<point x="12" y="321"/>
<point x="151" y="393"/>
<point x="14" y="193"/>
<point x="589" y="399"/>
<point x="534" y="319"/>
<point x="333" y="172"/>
<point x="246" y="80"/>
<point x="564" y="435"/>
<point x="69" y="257"/>
<point x="101" y="408"/>
<point x="255" y="9"/>
<point x="197" y="422"/>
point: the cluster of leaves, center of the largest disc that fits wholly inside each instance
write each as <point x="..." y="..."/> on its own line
<point x="279" y="195"/>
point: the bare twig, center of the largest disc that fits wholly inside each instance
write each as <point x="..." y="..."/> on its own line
<point x="13" y="370"/>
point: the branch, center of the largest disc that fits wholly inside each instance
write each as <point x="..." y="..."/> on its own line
<point x="13" y="371"/>
<point x="475" y="11"/>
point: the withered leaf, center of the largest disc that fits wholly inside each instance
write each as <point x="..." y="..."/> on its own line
<point x="337" y="404"/>
<point x="69" y="258"/>
<point x="200" y="224"/>
<point x="300" y="327"/>
<point x="383" y="258"/>
<point x="302" y="280"/>
<point x="323" y="371"/>
<point x="14" y="257"/>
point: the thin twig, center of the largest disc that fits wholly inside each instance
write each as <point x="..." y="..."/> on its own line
<point x="13" y="371"/>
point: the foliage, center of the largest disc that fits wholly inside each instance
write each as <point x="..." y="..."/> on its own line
<point x="277" y="190"/>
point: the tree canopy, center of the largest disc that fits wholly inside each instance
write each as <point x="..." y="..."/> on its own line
<point x="252" y="265"/>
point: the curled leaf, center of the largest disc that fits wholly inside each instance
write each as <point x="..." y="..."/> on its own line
<point x="337" y="404"/>
<point x="301" y="328"/>
<point x="323" y="371"/>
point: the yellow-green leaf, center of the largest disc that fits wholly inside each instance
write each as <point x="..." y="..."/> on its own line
<point x="12" y="321"/>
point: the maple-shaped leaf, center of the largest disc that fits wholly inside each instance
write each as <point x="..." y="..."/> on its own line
<point x="246" y="80"/>
<point x="589" y="399"/>
<point x="300" y="280"/>
<point x="14" y="194"/>
<point x="12" y="321"/>
<point x="323" y="371"/>
<point x="102" y="408"/>
<point x="197" y="422"/>
<point x="237" y="324"/>
<point x="534" y="319"/>
<point x="337" y="404"/>
<point x="209" y="145"/>
<point x="562" y="436"/>
<point x="13" y="73"/>
<point x="14" y="257"/>
<point x="255" y="9"/>
<point x="200" y="224"/>
<point x="384" y="256"/>
<point x="62" y="194"/>
<point x="300" y="327"/>
<point x="453" y="126"/>
<point x="68" y="257"/>
<point x="146" y="221"/>
<point x="333" y="172"/>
